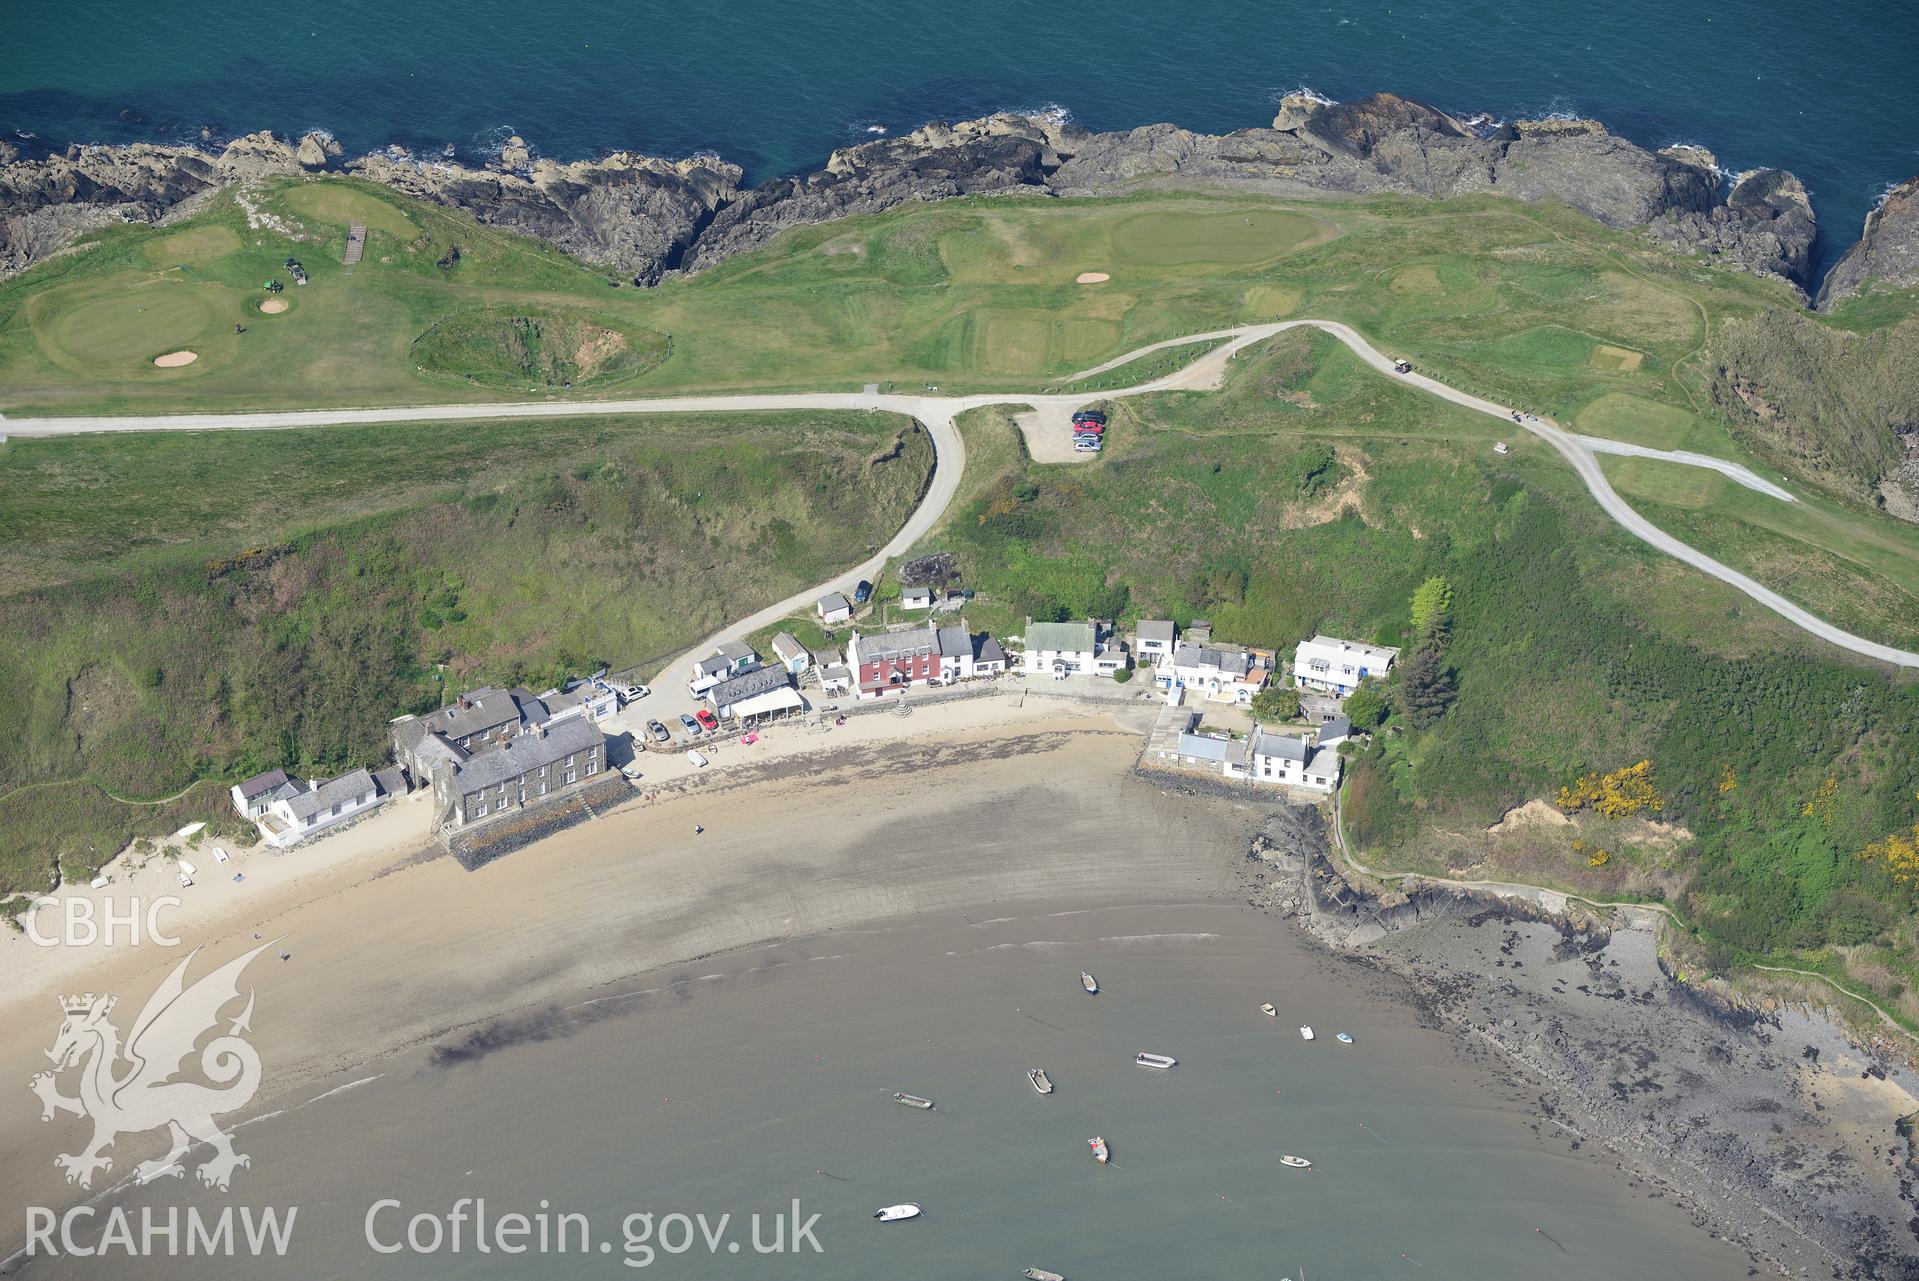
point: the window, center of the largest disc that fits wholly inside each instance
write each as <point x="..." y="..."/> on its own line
<point x="479" y="810"/>
<point x="542" y="787"/>
<point x="569" y="776"/>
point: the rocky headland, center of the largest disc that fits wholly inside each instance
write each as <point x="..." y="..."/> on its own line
<point x="647" y="218"/>
<point x="1767" y="1124"/>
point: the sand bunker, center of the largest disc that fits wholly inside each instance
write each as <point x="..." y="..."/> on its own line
<point x="1092" y="278"/>
<point x="273" y="306"/>
<point x="175" y="359"/>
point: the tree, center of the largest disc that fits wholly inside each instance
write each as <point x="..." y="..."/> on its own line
<point x="1276" y="703"/>
<point x="1366" y="706"/>
<point x="1432" y="608"/>
<point x="1427" y="687"/>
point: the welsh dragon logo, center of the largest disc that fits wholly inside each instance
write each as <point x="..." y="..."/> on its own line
<point x="130" y="1089"/>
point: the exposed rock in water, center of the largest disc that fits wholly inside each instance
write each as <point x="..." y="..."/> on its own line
<point x="1888" y="250"/>
<point x="647" y="217"/>
<point x="1766" y="226"/>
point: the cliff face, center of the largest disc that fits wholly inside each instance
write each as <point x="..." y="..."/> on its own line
<point x="647" y="217"/>
<point x="636" y="213"/>
<point x="1888" y="250"/>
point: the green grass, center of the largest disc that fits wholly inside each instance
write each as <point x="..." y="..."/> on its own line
<point x="190" y="606"/>
<point x="1577" y="647"/>
<point x="523" y="348"/>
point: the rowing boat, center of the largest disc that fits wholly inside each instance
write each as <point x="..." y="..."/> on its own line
<point x="1041" y="1082"/>
<point x="1144" y="1059"/>
<point x="1088" y="982"/>
<point x="912" y="1100"/>
<point x="1100" y="1151"/>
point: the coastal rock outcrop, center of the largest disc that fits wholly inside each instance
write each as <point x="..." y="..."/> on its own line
<point x="1765" y="226"/>
<point x="631" y="212"/>
<point x="1888" y="250"/>
<point x="646" y="217"/>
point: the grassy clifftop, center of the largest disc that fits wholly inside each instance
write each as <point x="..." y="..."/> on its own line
<point x="1576" y="650"/>
<point x="185" y="606"/>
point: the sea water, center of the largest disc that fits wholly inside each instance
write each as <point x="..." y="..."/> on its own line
<point x="759" y="1080"/>
<point x="1825" y="90"/>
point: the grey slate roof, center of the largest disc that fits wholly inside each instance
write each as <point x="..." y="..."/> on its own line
<point x="487" y="710"/>
<point x="1324" y="763"/>
<point x="261" y="783"/>
<point x="832" y="602"/>
<point x="788" y="647"/>
<point x="746" y="685"/>
<point x="517" y="756"/>
<point x="1203" y="747"/>
<point x="334" y="791"/>
<point x="1335" y="728"/>
<point x="1281" y="747"/>
<point x="987" y="650"/>
<point x="955" y="643"/>
<point x="1059" y="637"/>
<point x="737" y="651"/>
<point x="1230" y="662"/>
<point x="1156" y="629"/>
<point x="914" y="640"/>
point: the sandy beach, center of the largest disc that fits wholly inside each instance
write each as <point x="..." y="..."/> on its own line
<point x="392" y="943"/>
<point x="972" y="810"/>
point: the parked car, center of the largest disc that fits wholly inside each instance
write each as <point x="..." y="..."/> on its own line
<point x="1402" y="366"/>
<point x="632" y="693"/>
<point x="707" y="720"/>
<point x="1093" y="416"/>
<point x="692" y="726"/>
<point x="631" y="770"/>
<point x="1086" y="445"/>
<point x="658" y="731"/>
<point x="862" y="593"/>
<point x="1089" y="429"/>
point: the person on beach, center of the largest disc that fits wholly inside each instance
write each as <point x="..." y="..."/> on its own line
<point x="698" y="829"/>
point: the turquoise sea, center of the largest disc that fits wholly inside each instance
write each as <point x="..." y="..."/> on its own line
<point x="1826" y="90"/>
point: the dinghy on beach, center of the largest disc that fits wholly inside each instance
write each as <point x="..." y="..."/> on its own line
<point x="912" y="1100"/>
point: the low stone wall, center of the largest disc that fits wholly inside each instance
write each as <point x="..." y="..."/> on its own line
<point x="475" y="847"/>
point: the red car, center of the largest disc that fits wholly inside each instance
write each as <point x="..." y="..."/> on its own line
<point x="707" y="720"/>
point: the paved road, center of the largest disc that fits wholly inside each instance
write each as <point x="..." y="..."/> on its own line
<point x="1047" y="415"/>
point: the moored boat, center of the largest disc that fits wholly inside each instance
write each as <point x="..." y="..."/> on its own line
<point x="1041" y="1274"/>
<point x="896" y="1213"/>
<point x="1269" y="1010"/>
<point x="1296" y="1162"/>
<point x="1305" y="1031"/>
<point x="1144" y="1059"/>
<point x="1100" y="1151"/>
<point x="1041" y="1082"/>
<point x="1344" y="1038"/>
<point x="1088" y="982"/>
<point x="912" y="1100"/>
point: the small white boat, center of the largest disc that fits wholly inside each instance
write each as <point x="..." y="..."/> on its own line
<point x="1088" y="982"/>
<point x="1305" y="1031"/>
<point x="1344" y="1038"/>
<point x="1041" y="1274"/>
<point x="1101" y="1153"/>
<point x="1296" y="1162"/>
<point x="1041" y="1082"/>
<point x="1144" y="1059"/>
<point x="1269" y="1010"/>
<point x="897" y="1213"/>
<point x="912" y="1100"/>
